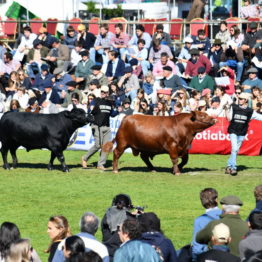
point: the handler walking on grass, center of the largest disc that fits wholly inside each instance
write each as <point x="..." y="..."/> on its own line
<point x="239" y="117"/>
<point x="101" y="109"/>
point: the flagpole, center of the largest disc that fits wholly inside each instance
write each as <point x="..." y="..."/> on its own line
<point x="27" y="11"/>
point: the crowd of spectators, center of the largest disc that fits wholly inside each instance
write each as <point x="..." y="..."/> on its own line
<point x="131" y="234"/>
<point x="145" y="74"/>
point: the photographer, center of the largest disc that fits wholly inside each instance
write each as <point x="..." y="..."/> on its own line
<point x="101" y="109"/>
<point x="113" y="218"/>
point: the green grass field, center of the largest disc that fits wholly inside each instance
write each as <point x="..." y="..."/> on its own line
<point x="30" y="194"/>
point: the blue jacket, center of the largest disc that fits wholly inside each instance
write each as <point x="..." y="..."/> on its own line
<point x="252" y="83"/>
<point x="158" y="240"/>
<point x="199" y="223"/>
<point x="119" y="69"/>
<point x="258" y="208"/>
<point x="206" y="42"/>
<point x="39" y="81"/>
<point x="60" y="84"/>
<point x="54" y="98"/>
<point x="136" y="251"/>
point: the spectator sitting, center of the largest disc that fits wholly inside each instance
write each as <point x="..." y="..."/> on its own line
<point x="225" y="100"/>
<point x="26" y="44"/>
<point x="195" y="62"/>
<point x="208" y="198"/>
<point x="126" y="109"/>
<point x="162" y="36"/>
<point x="132" y="249"/>
<point x="140" y="53"/>
<point x="248" y="10"/>
<point x="170" y="80"/>
<point x="75" y="56"/>
<point x="236" y="37"/>
<point x="61" y="78"/>
<point x="15" y="106"/>
<point x="252" y="80"/>
<point x="230" y="217"/>
<point x="70" y="37"/>
<point x="201" y="42"/>
<point x="152" y="234"/>
<point x="177" y="109"/>
<point x="148" y="83"/>
<point x="181" y="96"/>
<point x="220" y="250"/>
<point x="164" y="95"/>
<point x="83" y="68"/>
<point x="202" y="105"/>
<point x="71" y="89"/>
<point x="206" y="95"/>
<point x="227" y="71"/>
<point x="88" y="226"/>
<point x="202" y="80"/>
<point x="8" y="64"/>
<point x="184" y="55"/>
<point x="129" y="83"/>
<point x="84" y="37"/>
<point x="34" y="58"/>
<point x="140" y="34"/>
<point x="164" y="61"/>
<point x="116" y="93"/>
<point x="49" y="98"/>
<point x="233" y="58"/>
<point x="12" y="85"/>
<point x="58" y="56"/>
<point x="143" y="108"/>
<point x="94" y="88"/>
<point x="21" y="96"/>
<point x="214" y="108"/>
<point x="194" y="100"/>
<point x="103" y="41"/>
<point x="256" y="97"/>
<point x="253" y="240"/>
<point x="97" y="74"/>
<point x="251" y="38"/>
<point x="75" y="102"/>
<point x="2" y="50"/>
<point x="33" y="106"/>
<point x="161" y="109"/>
<point x="215" y="54"/>
<point x="156" y="50"/>
<point x="120" y="41"/>
<point x="42" y="77"/>
<point x="223" y="33"/>
<point x="115" y="67"/>
<point x="45" y="37"/>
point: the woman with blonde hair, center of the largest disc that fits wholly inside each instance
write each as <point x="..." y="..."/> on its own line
<point x="57" y="229"/>
<point x="20" y="251"/>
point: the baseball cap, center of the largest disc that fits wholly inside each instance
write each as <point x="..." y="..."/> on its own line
<point x="105" y="89"/>
<point x="221" y="233"/>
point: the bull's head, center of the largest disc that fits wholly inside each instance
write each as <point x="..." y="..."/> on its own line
<point x="77" y="115"/>
<point x="202" y="118"/>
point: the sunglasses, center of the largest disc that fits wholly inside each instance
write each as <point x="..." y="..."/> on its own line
<point x="238" y="93"/>
<point x="240" y="98"/>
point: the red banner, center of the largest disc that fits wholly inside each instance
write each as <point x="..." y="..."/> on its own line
<point x="215" y="140"/>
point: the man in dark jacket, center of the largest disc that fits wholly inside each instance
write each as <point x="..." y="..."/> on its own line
<point x="151" y="234"/>
<point x="101" y="109"/>
<point x="258" y="197"/>
<point x="220" y="250"/>
<point x="43" y="77"/>
<point x="115" y="67"/>
<point x="170" y="80"/>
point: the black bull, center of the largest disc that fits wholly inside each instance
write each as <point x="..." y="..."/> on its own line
<point x="36" y="131"/>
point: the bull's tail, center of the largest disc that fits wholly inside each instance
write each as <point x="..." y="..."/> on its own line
<point x="108" y="147"/>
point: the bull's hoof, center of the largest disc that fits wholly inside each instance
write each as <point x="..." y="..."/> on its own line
<point x="50" y="167"/>
<point x="14" y="166"/>
<point x="7" y="167"/>
<point x="115" y="171"/>
<point x="66" y="170"/>
<point x="153" y="170"/>
<point x="177" y="174"/>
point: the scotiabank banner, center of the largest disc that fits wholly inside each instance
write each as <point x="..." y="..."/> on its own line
<point x="215" y="140"/>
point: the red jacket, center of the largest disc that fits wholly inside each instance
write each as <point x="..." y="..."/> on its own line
<point x="203" y="61"/>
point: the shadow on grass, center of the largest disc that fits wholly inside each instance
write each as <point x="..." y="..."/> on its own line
<point x="42" y="165"/>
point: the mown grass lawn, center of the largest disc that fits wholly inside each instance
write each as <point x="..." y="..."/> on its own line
<point x="30" y="194"/>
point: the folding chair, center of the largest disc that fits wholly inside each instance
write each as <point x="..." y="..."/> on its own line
<point x="119" y="20"/>
<point x="94" y="28"/>
<point x="36" y="26"/>
<point x="51" y="26"/>
<point x="176" y="29"/>
<point x="193" y="28"/>
<point x="75" y="19"/>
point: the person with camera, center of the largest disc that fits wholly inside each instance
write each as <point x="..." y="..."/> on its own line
<point x="101" y="110"/>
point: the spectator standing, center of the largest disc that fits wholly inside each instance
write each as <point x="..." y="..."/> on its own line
<point x="132" y="249"/>
<point x="208" y="198"/>
<point x="219" y="250"/>
<point x="248" y="10"/>
<point x="230" y="217"/>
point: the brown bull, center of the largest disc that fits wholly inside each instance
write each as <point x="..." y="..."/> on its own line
<point x="153" y="135"/>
